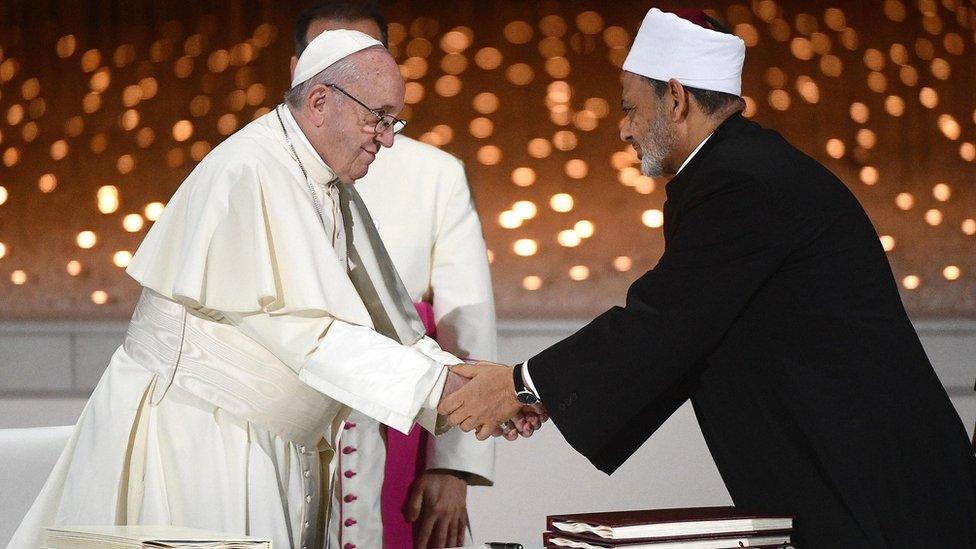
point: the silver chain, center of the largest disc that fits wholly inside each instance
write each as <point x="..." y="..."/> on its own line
<point x="311" y="188"/>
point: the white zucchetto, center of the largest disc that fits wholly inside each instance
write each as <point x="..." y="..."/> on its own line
<point x="327" y="48"/>
<point x="668" y="46"/>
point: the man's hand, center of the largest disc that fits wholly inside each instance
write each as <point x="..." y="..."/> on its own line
<point x="484" y="402"/>
<point x="438" y="501"/>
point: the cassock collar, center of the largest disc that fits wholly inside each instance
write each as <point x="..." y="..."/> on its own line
<point x="318" y="170"/>
<point x="730" y="126"/>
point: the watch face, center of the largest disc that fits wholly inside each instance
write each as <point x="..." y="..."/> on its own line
<point x="527" y="398"/>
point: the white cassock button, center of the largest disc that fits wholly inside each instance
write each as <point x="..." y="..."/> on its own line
<point x="301" y="448"/>
<point x="306" y="524"/>
<point x="308" y="499"/>
<point x="307" y="474"/>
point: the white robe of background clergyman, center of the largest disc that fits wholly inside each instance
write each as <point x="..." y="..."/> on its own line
<point x="259" y="327"/>
<point x="421" y="204"/>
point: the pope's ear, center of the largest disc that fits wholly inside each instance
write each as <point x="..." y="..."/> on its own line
<point x="318" y="100"/>
<point x="294" y="63"/>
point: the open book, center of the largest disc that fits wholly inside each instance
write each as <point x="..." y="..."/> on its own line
<point x="138" y="537"/>
<point x="670" y="524"/>
<point x="781" y="541"/>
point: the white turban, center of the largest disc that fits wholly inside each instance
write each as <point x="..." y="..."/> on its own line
<point x="668" y="46"/>
<point x="327" y="48"/>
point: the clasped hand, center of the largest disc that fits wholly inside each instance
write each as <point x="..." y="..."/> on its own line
<point x="480" y="397"/>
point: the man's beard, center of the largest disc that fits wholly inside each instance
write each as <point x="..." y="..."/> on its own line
<point x="662" y="139"/>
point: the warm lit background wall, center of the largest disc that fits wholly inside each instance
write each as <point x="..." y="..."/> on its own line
<point x="105" y="106"/>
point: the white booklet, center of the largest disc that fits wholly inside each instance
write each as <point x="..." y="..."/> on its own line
<point x="139" y="537"/>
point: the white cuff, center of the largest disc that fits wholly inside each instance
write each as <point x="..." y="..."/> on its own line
<point x="528" y="380"/>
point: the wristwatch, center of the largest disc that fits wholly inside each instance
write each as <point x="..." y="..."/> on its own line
<point x="522" y="393"/>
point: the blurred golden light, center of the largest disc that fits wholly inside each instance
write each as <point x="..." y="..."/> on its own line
<point x="831" y="65"/>
<point x="100" y="81"/>
<point x="653" y="218"/>
<point x="518" y="32"/>
<point x="564" y="140"/>
<point x="454" y="63"/>
<point x="539" y="148"/>
<point x="414" y="68"/>
<point x="525" y="247"/>
<point x="414" y="93"/>
<point x="928" y="97"/>
<point x="747" y="33"/>
<point x="848" y="37"/>
<point x="107" y="198"/>
<point x="8" y="69"/>
<point x="561" y="203"/>
<point x="255" y="94"/>
<point x="86" y="240"/>
<point x="525" y="209"/>
<point x="866" y="138"/>
<point x="860" y="112"/>
<point x="485" y="102"/>
<point x="66" y="46"/>
<point x="941" y="192"/>
<point x="520" y="74"/>
<point x="954" y="43"/>
<point x="523" y="177"/>
<point x="99" y="297"/>
<point x="576" y="168"/>
<point x="967" y="151"/>
<point x="30" y="88"/>
<point x="894" y="10"/>
<point x="779" y="100"/>
<point x="801" y="48"/>
<point x="18" y="277"/>
<point x="568" y="238"/>
<point x="911" y="282"/>
<point x="74" y="126"/>
<point x="898" y="54"/>
<point x="130" y="120"/>
<point x="145" y="137"/>
<point x="835" y="19"/>
<point x="877" y="82"/>
<point x="531" y="283"/>
<point x="835" y="148"/>
<point x="489" y="155"/>
<point x="775" y="77"/>
<point x="557" y="67"/>
<point x="895" y="105"/>
<point x="949" y="127"/>
<point x="99" y="143"/>
<point x="15" y="114"/>
<point x="552" y="25"/>
<point x="59" y="149"/>
<point x="951" y="272"/>
<point x="622" y="263"/>
<point x="448" y="85"/>
<point x="11" y="157"/>
<point x="132" y="223"/>
<point x="74" y="267"/>
<point x="874" y="59"/>
<point x="585" y="120"/>
<point x="969" y="227"/>
<point x="149" y="87"/>
<point x="644" y="185"/>
<point x="808" y="89"/>
<point x="3" y="195"/>
<point x="182" y="130"/>
<point x="183" y="67"/>
<point x="488" y="58"/>
<point x="481" y="127"/>
<point x="444" y="133"/>
<point x="47" y="183"/>
<point x="908" y="75"/>
<point x="628" y="176"/>
<point x="491" y="256"/>
<point x="780" y="30"/>
<point x="869" y="175"/>
<point x="125" y="164"/>
<point x="584" y="228"/>
<point x="124" y="54"/>
<point x="90" y="60"/>
<point x="3" y="250"/>
<point x="933" y="217"/>
<point x="887" y="242"/>
<point x="122" y="258"/>
<point x="30" y="131"/>
<point x="905" y="201"/>
<point x="236" y="100"/>
<point x="579" y="272"/>
<point x="154" y="210"/>
<point x="510" y="219"/>
<point x="941" y="69"/>
<point x="199" y="149"/>
<point x="226" y="124"/>
<point x="454" y="42"/>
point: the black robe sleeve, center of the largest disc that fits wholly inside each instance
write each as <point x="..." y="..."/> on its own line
<point x="609" y="386"/>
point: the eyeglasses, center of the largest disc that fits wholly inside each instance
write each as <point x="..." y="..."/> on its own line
<point x="384" y="122"/>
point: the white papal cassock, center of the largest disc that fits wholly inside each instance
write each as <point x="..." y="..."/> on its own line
<point x="259" y="327"/>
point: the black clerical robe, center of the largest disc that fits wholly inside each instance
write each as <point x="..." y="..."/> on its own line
<point x="774" y="309"/>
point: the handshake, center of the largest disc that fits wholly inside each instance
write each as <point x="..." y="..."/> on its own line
<point x="480" y="396"/>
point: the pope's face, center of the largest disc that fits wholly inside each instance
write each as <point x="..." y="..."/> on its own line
<point x="349" y="142"/>
<point x="646" y="125"/>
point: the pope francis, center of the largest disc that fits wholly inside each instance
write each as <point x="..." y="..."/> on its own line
<point x="270" y="309"/>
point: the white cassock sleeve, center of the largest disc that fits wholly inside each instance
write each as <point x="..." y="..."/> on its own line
<point x="395" y="384"/>
<point x="464" y="312"/>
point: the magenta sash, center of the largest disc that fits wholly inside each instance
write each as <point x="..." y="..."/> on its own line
<point x="406" y="460"/>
